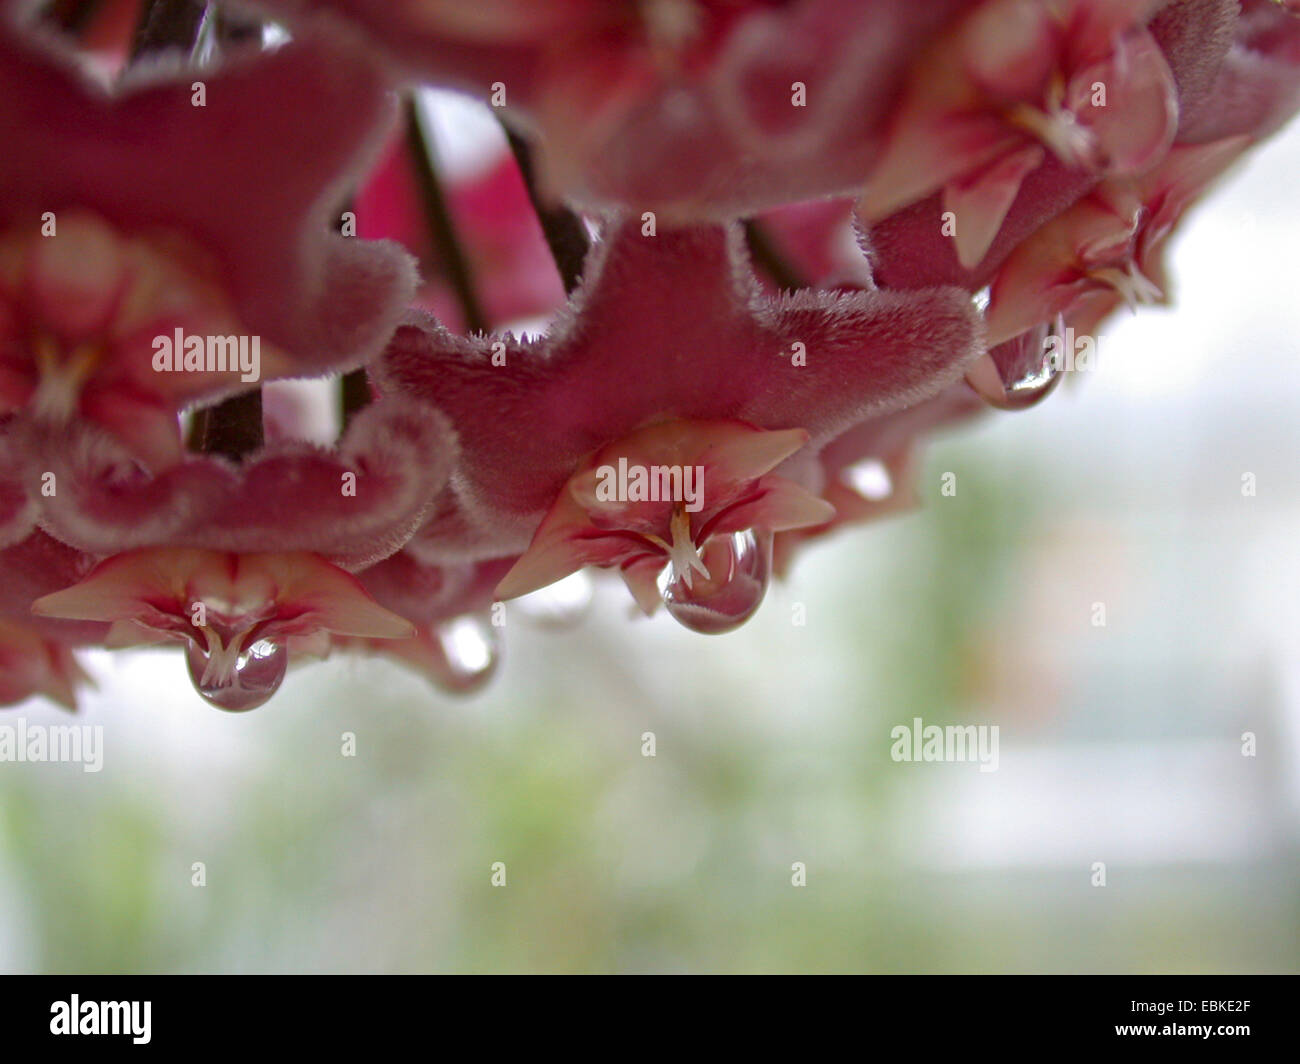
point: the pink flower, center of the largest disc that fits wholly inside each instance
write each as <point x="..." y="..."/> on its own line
<point x="690" y="421"/>
<point x="353" y="504"/>
<point x="686" y="107"/>
<point x="34" y="664"/>
<point x="913" y="247"/>
<point x="80" y="307"/>
<point x="236" y="612"/>
<point x="36" y="652"/>
<point x="1105" y="250"/>
<point x="689" y="483"/>
<point x="130" y="213"/>
<point x="1011" y="81"/>
<point x="663" y="328"/>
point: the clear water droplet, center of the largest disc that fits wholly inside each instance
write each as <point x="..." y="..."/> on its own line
<point x="1021" y="372"/>
<point x="870" y="478"/>
<point x="255" y="677"/>
<point x="740" y="566"/>
<point x="562" y="604"/>
<point x="469" y="654"/>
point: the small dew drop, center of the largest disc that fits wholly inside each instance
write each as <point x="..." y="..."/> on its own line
<point x="1019" y="373"/>
<point x="870" y="478"/>
<point x="469" y="654"/>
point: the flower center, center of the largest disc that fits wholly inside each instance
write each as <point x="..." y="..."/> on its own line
<point x="1059" y="129"/>
<point x="683" y="555"/>
<point x="1133" y="286"/>
<point x="62" y="374"/>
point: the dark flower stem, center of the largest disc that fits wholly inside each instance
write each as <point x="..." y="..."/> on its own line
<point x="769" y="259"/>
<point x="72" y="16"/>
<point x="565" y="234"/>
<point x="354" y="394"/>
<point x="167" y="24"/>
<point x="354" y="386"/>
<point x="438" y="217"/>
<point x="231" y="29"/>
<point x="233" y="427"/>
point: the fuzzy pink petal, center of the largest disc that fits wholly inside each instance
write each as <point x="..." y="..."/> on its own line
<point x="698" y="128"/>
<point x="1257" y="87"/>
<point x="909" y="249"/>
<point x="670" y="326"/>
<point x="354" y="505"/>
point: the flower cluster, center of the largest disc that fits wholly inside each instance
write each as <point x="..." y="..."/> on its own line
<point x="777" y="242"/>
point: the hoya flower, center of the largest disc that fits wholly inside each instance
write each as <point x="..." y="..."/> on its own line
<point x="36" y="653"/>
<point x="664" y="327"/>
<point x="35" y="664"/>
<point x="235" y="612"/>
<point x="697" y="109"/>
<point x="1104" y="251"/>
<point x="698" y="496"/>
<point x="1011" y="81"/>
<point x="353" y="504"/>
<point x="81" y="306"/>
<point x="916" y="246"/>
<point x="207" y="204"/>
